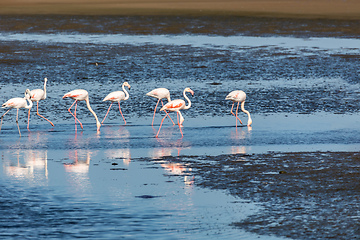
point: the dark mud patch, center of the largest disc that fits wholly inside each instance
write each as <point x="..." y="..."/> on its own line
<point x="312" y="195"/>
<point x="214" y="25"/>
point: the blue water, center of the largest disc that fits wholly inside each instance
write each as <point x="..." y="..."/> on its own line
<point x="56" y="182"/>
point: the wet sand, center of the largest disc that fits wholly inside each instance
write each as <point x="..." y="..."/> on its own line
<point x="349" y="9"/>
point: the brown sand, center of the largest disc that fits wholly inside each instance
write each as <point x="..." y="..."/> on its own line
<point x="343" y="9"/>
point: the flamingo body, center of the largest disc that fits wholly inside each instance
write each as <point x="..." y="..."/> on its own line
<point x="117" y="96"/>
<point x="175" y="106"/>
<point x="239" y="97"/>
<point x="81" y="95"/>
<point x="36" y="96"/>
<point x="18" y="103"/>
<point x="160" y="93"/>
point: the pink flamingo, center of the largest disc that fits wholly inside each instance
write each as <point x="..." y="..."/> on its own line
<point x="81" y="95"/>
<point x="117" y="97"/>
<point x="18" y="103"/>
<point x="36" y="96"/>
<point x="238" y="96"/>
<point x="160" y="93"/>
<point x="176" y="106"/>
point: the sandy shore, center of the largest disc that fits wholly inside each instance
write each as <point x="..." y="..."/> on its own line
<point x="343" y="9"/>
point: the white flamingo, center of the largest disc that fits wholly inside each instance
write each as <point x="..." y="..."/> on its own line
<point x="17" y="103"/>
<point x="160" y="93"/>
<point x="176" y="106"/>
<point x="81" y="95"/>
<point x="239" y="97"/>
<point x="36" y="96"/>
<point x="117" y="97"/>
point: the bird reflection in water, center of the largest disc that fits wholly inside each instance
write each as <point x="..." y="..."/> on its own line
<point x="173" y="168"/>
<point x="239" y="139"/>
<point x="30" y="165"/>
<point x="78" y="169"/>
<point x="123" y="154"/>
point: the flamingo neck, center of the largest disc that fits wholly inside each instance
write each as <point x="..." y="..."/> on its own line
<point x="126" y="93"/>
<point x="247" y="112"/>
<point x="98" y="124"/>
<point x="44" y="89"/>
<point x="189" y="105"/>
<point x="29" y="103"/>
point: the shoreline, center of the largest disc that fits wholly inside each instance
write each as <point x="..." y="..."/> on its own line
<point x="336" y="9"/>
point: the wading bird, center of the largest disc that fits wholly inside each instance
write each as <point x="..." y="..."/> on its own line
<point x="36" y="96"/>
<point x="176" y="106"/>
<point x="81" y="95"/>
<point x="117" y="97"/>
<point x="160" y="93"/>
<point x="17" y="103"/>
<point x="238" y="96"/>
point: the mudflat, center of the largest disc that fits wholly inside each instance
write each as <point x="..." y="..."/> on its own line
<point x="339" y="9"/>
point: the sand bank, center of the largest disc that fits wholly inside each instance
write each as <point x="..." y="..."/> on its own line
<point x="343" y="9"/>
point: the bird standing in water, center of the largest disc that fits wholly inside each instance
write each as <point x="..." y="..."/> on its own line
<point x="239" y="97"/>
<point x="176" y="106"/>
<point x="17" y="103"/>
<point x="36" y="96"/>
<point x="160" y="93"/>
<point x="81" y="95"/>
<point x="117" y="97"/>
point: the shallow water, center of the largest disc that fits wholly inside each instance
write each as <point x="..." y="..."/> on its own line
<point x="302" y="93"/>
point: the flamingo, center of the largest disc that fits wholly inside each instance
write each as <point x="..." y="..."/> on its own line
<point x="18" y="103"/>
<point x="160" y="93"/>
<point x="81" y="95"/>
<point x="176" y="106"/>
<point x="239" y="96"/>
<point x="117" y="97"/>
<point x="36" y="96"/>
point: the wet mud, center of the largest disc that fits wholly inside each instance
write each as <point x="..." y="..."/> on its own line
<point x="304" y="195"/>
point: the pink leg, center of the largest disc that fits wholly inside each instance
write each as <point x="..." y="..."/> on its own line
<point x="3" y="117"/>
<point x="37" y="112"/>
<point x="152" y="123"/>
<point x="237" y="108"/>
<point x="75" y="114"/>
<point x="234" y="113"/>
<point x="160" y="126"/>
<point x="121" y="113"/>
<point x="17" y="122"/>
<point x="28" y="119"/>
<point x="177" y="114"/>
<point x="107" y="113"/>
<point x="167" y="113"/>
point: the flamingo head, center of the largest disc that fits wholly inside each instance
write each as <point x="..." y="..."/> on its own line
<point x="127" y="84"/>
<point x="45" y="79"/>
<point x="189" y="90"/>
<point x="27" y="94"/>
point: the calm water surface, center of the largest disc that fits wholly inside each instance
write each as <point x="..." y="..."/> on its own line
<point x="56" y="182"/>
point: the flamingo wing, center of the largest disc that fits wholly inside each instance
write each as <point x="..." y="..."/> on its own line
<point x="174" y="105"/>
<point x="78" y="94"/>
<point x="115" y="96"/>
<point x="37" y="95"/>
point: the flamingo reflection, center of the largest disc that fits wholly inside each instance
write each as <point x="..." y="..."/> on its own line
<point x="123" y="154"/>
<point x="33" y="165"/>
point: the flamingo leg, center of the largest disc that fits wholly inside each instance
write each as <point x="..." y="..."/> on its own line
<point x="37" y="112"/>
<point x="236" y="112"/>
<point x="3" y="117"/>
<point x="121" y="113"/>
<point x="167" y="113"/>
<point x="28" y="119"/>
<point x="17" y="122"/>
<point x="107" y="113"/>
<point x="75" y="114"/>
<point x="179" y="125"/>
<point x="152" y="123"/>
<point x="160" y="126"/>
